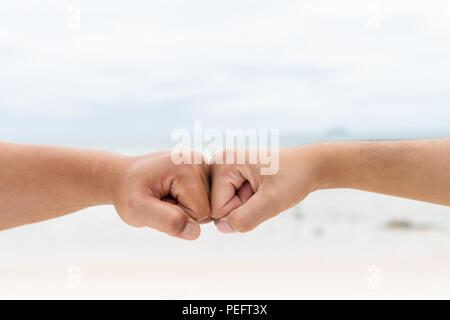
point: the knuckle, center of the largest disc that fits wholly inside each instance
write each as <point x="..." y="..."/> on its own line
<point x="204" y="210"/>
<point x="216" y="210"/>
<point x="241" y="222"/>
<point x="205" y="215"/>
<point x="131" y="203"/>
<point x="219" y="157"/>
<point x="133" y="219"/>
<point x="186" y="171"/>
<point x="197" y="157"/>
<point x="190" y="157"/>
<point x="130" y="213"/>
<point x="216" y="214"/>
<point x="268" y="195"/>
<point x="224" y="171"/>
<point x="176" y="223"/>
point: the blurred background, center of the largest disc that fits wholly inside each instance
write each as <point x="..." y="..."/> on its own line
<point x="122" y="76"/>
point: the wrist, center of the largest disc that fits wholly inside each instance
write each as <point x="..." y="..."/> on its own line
<point x="310" y="164"/>
<point x="108" y="172"/>
<point x="339" y="165"/>
<point x="326" y="163"/>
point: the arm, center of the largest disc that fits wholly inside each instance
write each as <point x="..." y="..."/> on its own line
<point x="242" y="198"/>
<point x="417" y="170"/>
<point x="41" y="182"/>
<point x="44" y="182"/>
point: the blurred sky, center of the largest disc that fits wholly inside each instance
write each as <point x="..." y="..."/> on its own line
<point x="144" y="68"/>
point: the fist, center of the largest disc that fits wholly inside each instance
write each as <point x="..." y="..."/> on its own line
<point x="154" y="192"/>
<point x="242" y="197"/>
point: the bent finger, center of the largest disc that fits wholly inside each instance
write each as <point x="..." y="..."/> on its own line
<point x="259" y="208"/>
<point x="166" y="217"/>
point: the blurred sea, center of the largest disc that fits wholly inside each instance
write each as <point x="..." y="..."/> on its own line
<point x="335" y="244"/>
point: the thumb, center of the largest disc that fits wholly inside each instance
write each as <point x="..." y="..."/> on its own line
<point x="163" y="216"/>
<point x="257" y="209"/>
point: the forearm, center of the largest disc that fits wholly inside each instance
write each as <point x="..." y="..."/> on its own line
<point x="412" y="169"/>
<point x="43" y="182"/>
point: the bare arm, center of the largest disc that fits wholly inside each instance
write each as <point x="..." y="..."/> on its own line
<point x="44" y="182"/>
<point x="242" y="198"/>
<point x="417" y="170"/>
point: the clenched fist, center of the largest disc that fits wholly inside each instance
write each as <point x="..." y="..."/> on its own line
<point x="242" y="196"/>
<point x="172" y="198"/>
<point x="45" y="182"/>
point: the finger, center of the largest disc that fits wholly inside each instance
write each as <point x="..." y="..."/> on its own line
<point x="205" y="221"/>
<point x="173" y="201"/>
<point x="169" y="200"/>
<point x="224" y="199"/>
<point x="245" y="192"/>
<point x="259" y="208"/>
<point x="192" y="195"/>
<point x="241" y="196"/>
<point x="165" y="217"/>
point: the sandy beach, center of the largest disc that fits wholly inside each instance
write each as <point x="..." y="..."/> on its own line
<point x="336" y="244"/>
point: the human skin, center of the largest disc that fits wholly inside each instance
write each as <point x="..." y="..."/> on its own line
<point x="242" y="198"/>
<point x="43" y="182"/>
